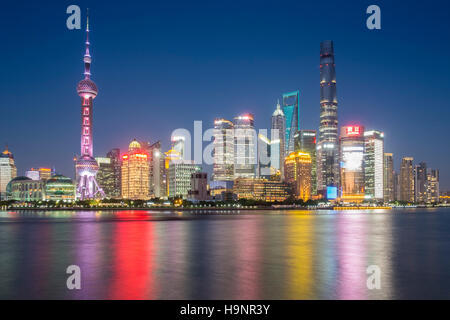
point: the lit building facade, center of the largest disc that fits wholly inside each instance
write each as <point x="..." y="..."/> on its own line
<point x="278" y="139"/>
<point x="179" y="145"/>
<point x="297" y="171"/>
<point x="260" y="189"/>
<point x="199" y="187"/>
<point x="179" y="177"/>
<point x="39" y="173"/>
<point x="8" y="171"/>
<point x="60" y="188"/>
<point x="328" y="146"/>
<point x="305" y="141"/>
<point x="244" y="147"/>
<point x="105" y="176"/>
<point x="114" y="156"/>
<point x="420" y="183"/>
<point x="352" y="163"/>
<point x="264" y="157"/>
<point x="86" y="166"/>
<point x="374" y="165"/>
<point x="223" y="168"/>
<point x="406" y="180"/>
<point x="291" y="112"/>
<point x="135" y="173"/>
<point x="433" y="194"/>
<point x="389" y="178"/>
<point x="158" y="179"/>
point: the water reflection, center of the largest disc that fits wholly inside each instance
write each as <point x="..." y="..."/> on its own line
<point x="261" y="255"/>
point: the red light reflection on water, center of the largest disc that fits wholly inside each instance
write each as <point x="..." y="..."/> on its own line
<point x="134" y="260"/>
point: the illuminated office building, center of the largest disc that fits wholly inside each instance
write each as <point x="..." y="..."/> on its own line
<point x="39" y="173"/>
<point x="8" y="171"/>
<point x="420" y="183"/>
<point x="278" y="138"/>
<point x="406" y="181"/>
<point x="158" y="187"/>
<point x="244" y="147"/>
<point x="297" y="173"/>
<point x="352" y="163"/>
<point x="292" y="115"/>
<point x="389" y="178"/>
<point x="114" y="156"/>
<point x="179" y="177"/>
<point x="328" y="146"/>
<point x="105" y="176"/>
<point x="305" y="141"/>
<point x="135" y="173"/>
<point x="260" y="189"/>
<point x="433" y="186"/>
<point x="199" y="187"/>
<point x="179" y="145"/>
<point x="265" y="152"/>
<point x="223" y="168"/>
<point x="374" y="165"/>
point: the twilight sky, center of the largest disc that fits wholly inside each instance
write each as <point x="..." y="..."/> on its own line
<point x="161" y="65"/>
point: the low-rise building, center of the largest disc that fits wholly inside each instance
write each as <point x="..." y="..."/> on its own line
<point x="260" y="189"/>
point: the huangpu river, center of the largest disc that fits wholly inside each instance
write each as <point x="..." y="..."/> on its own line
<point x="226" y="254"/>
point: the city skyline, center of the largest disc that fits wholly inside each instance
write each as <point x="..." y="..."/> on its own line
<point x="397" y="141"/>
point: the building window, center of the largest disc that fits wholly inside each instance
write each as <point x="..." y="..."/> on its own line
<point x="86" y="130"/>
<point x="85" y="111"/>
<point x="86" y="121"/>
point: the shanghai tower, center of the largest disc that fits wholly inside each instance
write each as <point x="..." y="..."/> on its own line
<point x="328" y="146"/>
<point x="86" y="165"/>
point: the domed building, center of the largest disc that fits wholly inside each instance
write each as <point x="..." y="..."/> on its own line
<point x="25" y="189"/>
<point x="8" y="171"/>
<point x="59" y="188"/>
<point x="135" y="172"/>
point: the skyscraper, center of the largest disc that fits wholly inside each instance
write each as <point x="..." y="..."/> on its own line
<point x="292" y="116"/>
<point x="389" y="178"/>
<point x="352" y="163"/>
<point x="407" y="180"/>
<point x="327" y="148"/>
<point x="305" y="141"/>
<point x="114" y="156"/>
<point x="223" y="168"/>
<point x="373" y="165"/>
<point x="105" y="175"/>
<point x="135" y="173"/>
<point x="278" y="138"/>
<point x="179" y="145"/>
<point x="298" y="174"/>
<point x="8" y="171"/>
<point x="158" y="188"/>
<point x="433" y="186"/>
<point x="244" y="147"/>
<point x="420" y="183"/>
<point x="86" y="166"/>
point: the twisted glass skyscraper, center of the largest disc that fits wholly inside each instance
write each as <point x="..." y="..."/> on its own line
<point x="328" y="147"/>
<point x="292" y="114"/>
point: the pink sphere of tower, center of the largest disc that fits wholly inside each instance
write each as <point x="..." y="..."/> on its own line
<point x="87" y="88"/>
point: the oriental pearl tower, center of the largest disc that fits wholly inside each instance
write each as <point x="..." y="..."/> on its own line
<point x="86" y="166"/>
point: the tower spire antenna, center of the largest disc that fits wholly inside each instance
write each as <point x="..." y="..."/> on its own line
<point x="87" y="56"/>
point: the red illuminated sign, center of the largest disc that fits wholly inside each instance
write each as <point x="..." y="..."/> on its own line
<point x="353" y="131"/>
